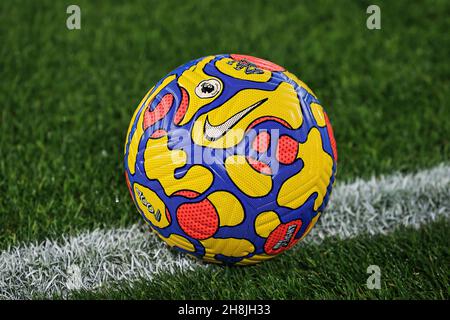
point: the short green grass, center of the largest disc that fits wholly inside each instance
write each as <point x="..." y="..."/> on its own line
<point x="67" y="96"/>
<point x="413" y="265"/>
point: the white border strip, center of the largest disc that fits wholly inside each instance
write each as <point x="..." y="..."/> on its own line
<point x="92" y="259"/>
<point x="378" y="205"/>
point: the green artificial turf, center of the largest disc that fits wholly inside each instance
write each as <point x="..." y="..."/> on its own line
<point x="333" y="270"/>
<point x="66" y="98"/>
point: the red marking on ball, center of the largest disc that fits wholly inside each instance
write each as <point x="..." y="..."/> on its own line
<point x="199" y="220"/>
<point x="160" y="111"/>
<point x="261" y="142"/>
<point x="283" y="237"/>
<point x="168" y="216"/>
<point x="269" y="118"/>
<point x="287" y="149"/>
<point x="187" y="193"/>
<point x="181" y="111"/>
<point x="260" y="63"/>
<point x="158" y="133"/>
<point x="128" y="185"/>
<point x="259" y="166"/>
<point x="331" y="136"/>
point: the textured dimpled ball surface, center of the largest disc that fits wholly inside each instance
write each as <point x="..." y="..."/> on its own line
<point x="230" y="158"/>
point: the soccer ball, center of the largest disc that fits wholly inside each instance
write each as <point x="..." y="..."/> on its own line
<point x="230" y="158"/>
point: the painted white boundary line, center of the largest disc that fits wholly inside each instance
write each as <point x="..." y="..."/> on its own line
<point x="379" y="205"/>
<point x="99" y="257"/>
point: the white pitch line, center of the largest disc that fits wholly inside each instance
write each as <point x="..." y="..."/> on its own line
<point x="103" y="257"/>
<point x="379" y="205"/>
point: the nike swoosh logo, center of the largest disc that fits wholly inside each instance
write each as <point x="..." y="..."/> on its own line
<point x="213" y="133"/>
